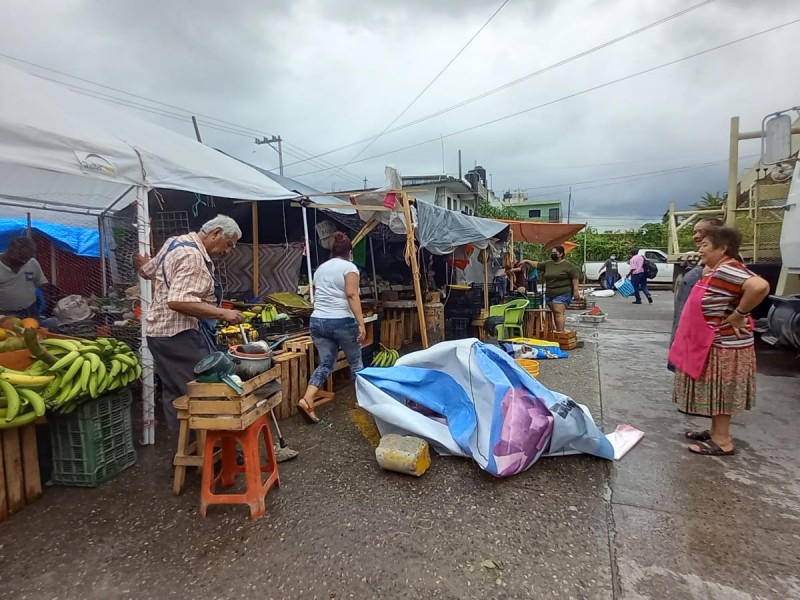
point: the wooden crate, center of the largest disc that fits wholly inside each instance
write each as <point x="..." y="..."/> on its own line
<point x="294" y="375"/>
<point x="567" y="340"/>
<point x="216" y="406"/>
<point x="20" y="482"/>
<point x="577" y="304"/>
<point x="392" y="333"/>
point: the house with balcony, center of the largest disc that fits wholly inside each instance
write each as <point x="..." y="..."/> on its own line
<point x="453" y="193"/>
<point x="528" y="209"/>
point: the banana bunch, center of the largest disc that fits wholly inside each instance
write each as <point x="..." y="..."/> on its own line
<point x="85" y="369"/>
<point x="21" y="399"/>
<point x="269" y="313"/>
<point x="385" y="358"/>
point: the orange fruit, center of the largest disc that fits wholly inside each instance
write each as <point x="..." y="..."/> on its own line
<point x="3" y="334"/>
<point x="30" y="323"/>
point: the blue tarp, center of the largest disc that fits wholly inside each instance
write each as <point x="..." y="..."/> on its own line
<point x="81" y="241"/>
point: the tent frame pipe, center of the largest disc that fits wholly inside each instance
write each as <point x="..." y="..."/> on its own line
<point x="374" y="276"/>
<point x="256" y="253"/>
<point x="146" y="296"/>
<point x="101" y="229"/>
<point x="308" y="255"/>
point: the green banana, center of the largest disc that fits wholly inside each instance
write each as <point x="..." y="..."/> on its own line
<point x="12" y="400"/>
<point x="93" y="385"/>
<point x="18" y="421"/>
<point x="86" y="371"/>
<point x="116" y="367"/>
<point x="35" y="400"/>
<point x="73" y="369"/>
<point x="52" y="388"/>
<point x="126" y="359"/>
<point x="67" y="345"/>
<point x="68" y="358"/>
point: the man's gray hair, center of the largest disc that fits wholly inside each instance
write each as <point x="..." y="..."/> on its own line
<point x="228" y="226"/>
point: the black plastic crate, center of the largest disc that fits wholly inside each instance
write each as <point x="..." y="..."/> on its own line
<point x="457" y="328"/>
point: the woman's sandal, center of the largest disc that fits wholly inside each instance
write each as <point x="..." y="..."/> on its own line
<point x="699" y="436"/>
<point x="308" y="414"/>
<point x="710" y="448"/>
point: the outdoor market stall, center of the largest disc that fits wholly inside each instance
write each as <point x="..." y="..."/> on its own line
<point x="67" y="154"/>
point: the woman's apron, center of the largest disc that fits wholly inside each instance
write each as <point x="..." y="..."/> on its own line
<point x="208" y="327"/>
<point x="694" y="336"/>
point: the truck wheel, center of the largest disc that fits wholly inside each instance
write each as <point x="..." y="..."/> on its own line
<point x="678" y="283"/>
<point x="602" y="283"/>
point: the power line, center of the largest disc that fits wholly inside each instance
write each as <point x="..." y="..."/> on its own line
<point x="576" y="94"/>
<point x="206" y="120"/>
<point x="430" y="83"/>
<point x="509" y="84"/>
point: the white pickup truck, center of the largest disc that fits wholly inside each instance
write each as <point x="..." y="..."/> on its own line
<point x="595" y="271"/>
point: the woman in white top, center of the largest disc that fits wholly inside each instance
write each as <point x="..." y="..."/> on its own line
<point x="337" y="321"/>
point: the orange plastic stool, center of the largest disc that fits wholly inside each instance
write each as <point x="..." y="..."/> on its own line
<point x="256" y="493"/>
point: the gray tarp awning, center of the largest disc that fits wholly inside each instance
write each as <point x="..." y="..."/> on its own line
<point x="441" y="231"/>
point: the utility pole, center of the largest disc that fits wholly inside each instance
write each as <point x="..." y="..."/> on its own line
<point x="275" y="139"/>
<point x="196" y="129"/>
<point x="365" y="182"/>
<point x="569" y="204"/>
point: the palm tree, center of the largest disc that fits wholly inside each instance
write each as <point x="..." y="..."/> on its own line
<point x="709" y="201"/>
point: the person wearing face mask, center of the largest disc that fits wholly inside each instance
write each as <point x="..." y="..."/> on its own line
<point x="612" y="271"/>
<point x="690" y="278"/>
<point x="181" y="320"/>
<point x="561" y="285"/>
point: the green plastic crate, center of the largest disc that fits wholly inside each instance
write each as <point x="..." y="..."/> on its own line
<point x="94" y="443"/>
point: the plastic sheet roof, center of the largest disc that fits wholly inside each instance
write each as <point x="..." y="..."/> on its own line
<point x="549" y="234"/>
<point x="64" y="151"/>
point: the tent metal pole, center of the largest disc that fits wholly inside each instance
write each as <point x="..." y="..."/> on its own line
<point x="308" y="254"/>
<point x="256" y="253"/>
<point x="146" y="296"/>
<point x="374" y="276"/>
<point x="101" y="229"/>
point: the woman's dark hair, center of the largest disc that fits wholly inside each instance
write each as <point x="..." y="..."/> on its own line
<point x="560" y="250"/>
<point x="725" y="236"/>
<point x="342" y="246"/>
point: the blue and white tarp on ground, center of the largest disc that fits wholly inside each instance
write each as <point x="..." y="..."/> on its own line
<point x="471" y="399"/>
<point x="77" y="240"/>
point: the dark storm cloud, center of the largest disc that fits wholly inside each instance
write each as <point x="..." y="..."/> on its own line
<point x="326" y="73"/>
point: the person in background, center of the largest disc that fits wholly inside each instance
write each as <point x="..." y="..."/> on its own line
<point x="20" y="277"/>
<point x="690" y="278"/>
<point x="516" y="275"/>
<point x="561" y="283"/>
<point x="337" y="321"/>
<point x="186" y="298"/>
<point x="638" y="278"/>
<point x="612" y="271"/>
<point x="715" y="375"/>
<point x="533" y="279"/>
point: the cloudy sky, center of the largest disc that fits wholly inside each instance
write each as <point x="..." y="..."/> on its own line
<point x="325" y="74"/>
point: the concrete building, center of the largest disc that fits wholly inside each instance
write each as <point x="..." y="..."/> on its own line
<point x="453" y="193"/>
<point x="533" y="210"/>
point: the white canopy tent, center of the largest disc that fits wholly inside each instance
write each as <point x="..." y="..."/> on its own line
<point x="62" y="151"/>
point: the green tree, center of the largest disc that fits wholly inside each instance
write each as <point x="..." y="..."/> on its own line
<point x="487" y="211"/>
<point x="709" y="201"/>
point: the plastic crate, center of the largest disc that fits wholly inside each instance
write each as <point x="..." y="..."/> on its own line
<point x="625" y="288"/>
<point x="95" y="443"/>
<point x="457" y="329"/>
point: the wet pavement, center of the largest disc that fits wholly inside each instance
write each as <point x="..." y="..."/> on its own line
<point x="660" y="523"/>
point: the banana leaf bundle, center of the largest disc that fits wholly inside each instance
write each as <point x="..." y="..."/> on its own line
<point x="291" y="304"/>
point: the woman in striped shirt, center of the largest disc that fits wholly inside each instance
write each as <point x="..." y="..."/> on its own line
<point x="714" y="346"/>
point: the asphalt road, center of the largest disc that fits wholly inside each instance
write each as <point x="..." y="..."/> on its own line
<point x="660" y="523"/>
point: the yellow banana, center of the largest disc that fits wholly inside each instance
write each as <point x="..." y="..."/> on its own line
<point x="26" y="380"/>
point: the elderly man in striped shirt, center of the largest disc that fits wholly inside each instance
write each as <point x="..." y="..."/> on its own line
<point x="185" y="307"/>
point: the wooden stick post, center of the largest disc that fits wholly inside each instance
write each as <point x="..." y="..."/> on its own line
<point x="486" y="282"/>
<point x="256" y="261"/>
<point x="411" y="253"/>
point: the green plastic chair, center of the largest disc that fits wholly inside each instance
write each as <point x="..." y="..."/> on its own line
<point x="512" y="312"/>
